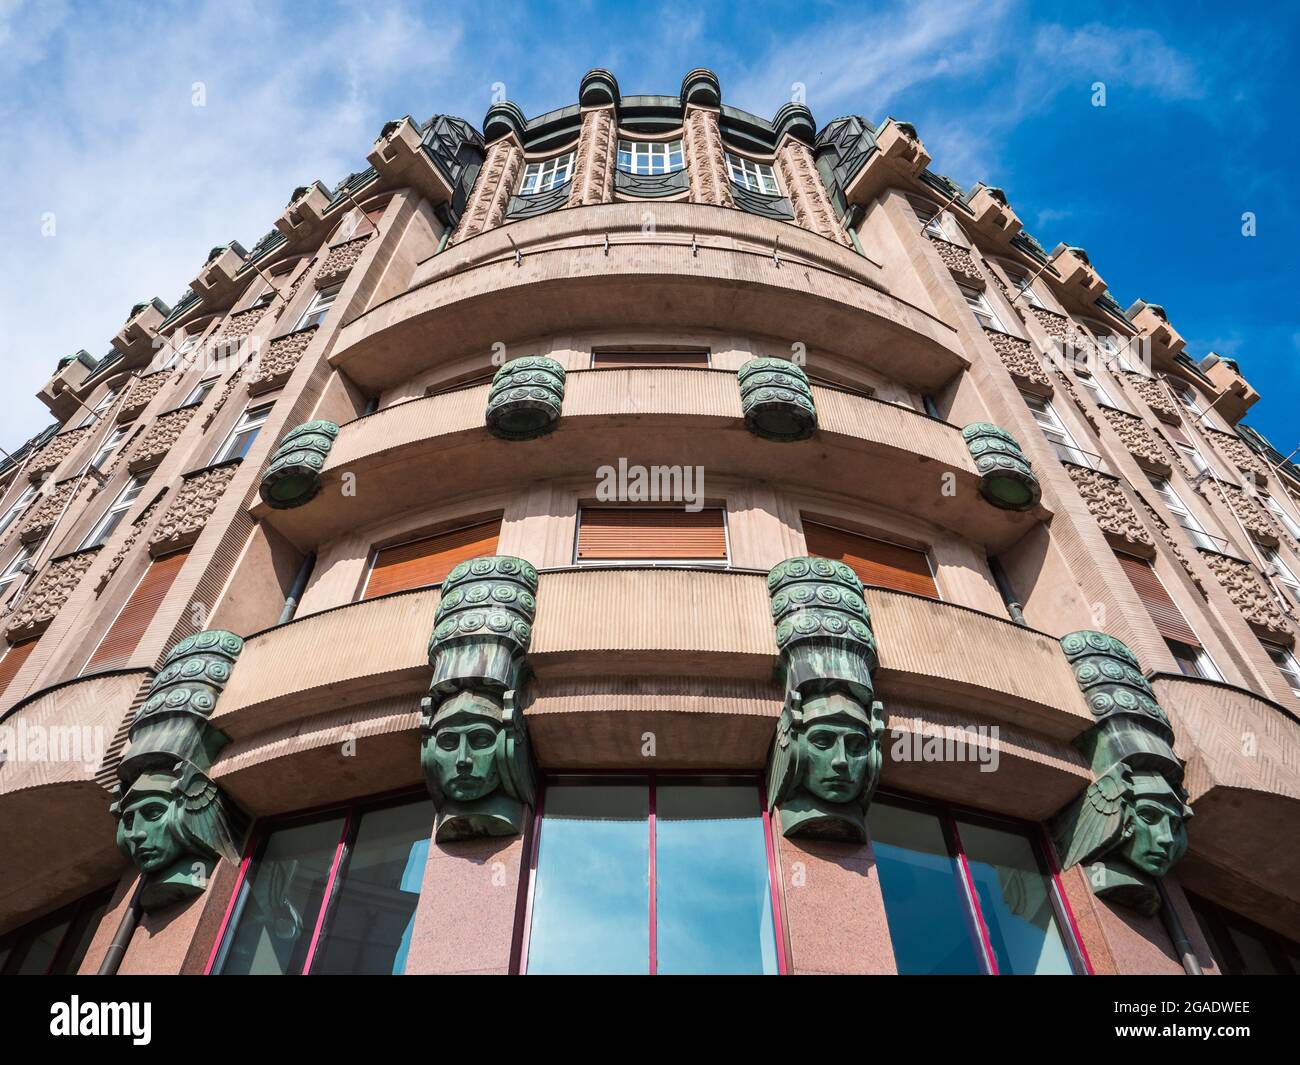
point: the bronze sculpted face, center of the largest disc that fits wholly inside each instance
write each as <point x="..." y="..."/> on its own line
<point x="465" y="757"/>
<point x="1155" y="829"/>
<point x="146" y="831"/>
<point x="836" y="756"/>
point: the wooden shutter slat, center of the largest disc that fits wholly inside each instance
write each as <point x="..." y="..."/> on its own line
<point x="602" y="360"/>
<point x="125" y="634"/>
<point x="1163" y="610"/>
<point x="875" y="562"/>
<point x="428" y="561"/>
<point x="651" y="532"/>
<point x="12" y="661"/>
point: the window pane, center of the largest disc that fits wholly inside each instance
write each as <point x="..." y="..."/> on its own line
<point x="1015" y="900"/>
<point x="591" y="896"/>
<point x="281" y="900"/>
<point x="40" y="950"/>
<point x="370" y="923"/>
<point x="713" y="899"/>
<point x="929" y="918"/>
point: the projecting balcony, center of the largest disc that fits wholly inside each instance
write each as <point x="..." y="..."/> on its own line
<point x="620" y="651"/>
<point x="1242" y="778"/>
<point x="601" y="267"/>
<point x="217" y="283"/>
<point x="57" y="838"/>
<point x="407" y="455"/>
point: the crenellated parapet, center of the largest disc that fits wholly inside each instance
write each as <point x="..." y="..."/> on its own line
<point x="826" y="758"/>
<point x="474" y="748"/>
<point x="1129" y="826"/>
<point x="173" y="822"/>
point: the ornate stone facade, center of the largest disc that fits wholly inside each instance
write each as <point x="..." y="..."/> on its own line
<point x="595" y="158"/>
<point x="161" y="437"/>
<point x="1054" y="325"/>
<point x="48" y="594"/>
<point x="341" y="259"/>
<point x="958" y="260"/>
<point x="57" y="449"/>
<point x="1139" y="439"/>
<point x="193" y="505"/>
<point x="1254" y="515"/>
<point x="42" y="516"/>
<point x="1020" y="359"/>
<point x="497" y="180"/>
<point x="275" y="365"/>
<point x="1154" y="396"/>
<point x="1250" y="595"/>
<point x="706" y="159"/>
<point x="141" y="394"/>
<point x="137" y="527"/>
<point x="227" y="390"/>
<point x="1108" y="504"/>
<point x="239" y="325"/>
<point x="1163" y="528"/>
<point x="1240" y="455"/>
<point x="807" y="193"/>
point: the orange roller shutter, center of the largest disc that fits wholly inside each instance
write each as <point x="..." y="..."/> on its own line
<point x="418" y="563"/>
<point x="874" y="561"/>
<point x="602" y="360"/>
<point x="651" y="532"/>
<point x="121" y="640"/>
<point x="1163" y="610"/>
<point x="12" y="661"/>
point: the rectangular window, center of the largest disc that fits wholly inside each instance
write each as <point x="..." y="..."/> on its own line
<point x="199" y="392"/>
<point x="1194" y="529"/>
<point x="1286" y="664"/>
<point x="609" y="360"/>
<point x="1020" y="283"/>
<point x="100" y="407"/>
<point x="932" y="219"/>
<point x="20" y="504"/>
<point x="14" y="569"/>
<point x="56" y="944"/>
<point x="319" y="307"/>
<point x="638" y="875"/>
<point x="359" y="223"/>
<point x="650" y="157"/>
<point x="1279" y="512"/>
<point x="244" y="433"/>
<point x="331" y="894"/>
<point x="1057" y="434"/>
<point x="966" y="894"/>
<point x="112" y="518"/>
<point x="648" y="534"/>
<point x="983" y="310"/>
<point x="419" y="563"/>
<point x="1241" y="947"/>
<point x="1098" y="391"/>
<point x="1192" y="660"/>
<point x="876" y="562"/>
<point x="1284" y="574"/>
<point x="546" y="174"/>
<point x="757" y="177"/>
<point x="1194" y="458"/>
<point x="128" y="628"/>
<point x="1164" y="611"/>
<point x="12" y="659"/>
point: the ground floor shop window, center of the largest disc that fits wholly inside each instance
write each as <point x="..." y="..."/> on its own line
<point x="969" y="894"/>
<point x="329" y="892"/>
<point x="652" y="874"/>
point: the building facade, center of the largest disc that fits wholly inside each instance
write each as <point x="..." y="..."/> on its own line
<point x="649" y="538"/>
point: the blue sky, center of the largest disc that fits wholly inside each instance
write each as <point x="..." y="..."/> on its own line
<point x="98" y="129"/>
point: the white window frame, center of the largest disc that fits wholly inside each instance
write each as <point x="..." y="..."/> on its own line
<point x="1062" y="440"/>
<point x="99" y="408"/>
<point x="114" y="441"/>
<point x="112" y="517"/>
<point x="1112" y="346"/>
<point x="546" y="175"/>
<point x="980" y="306"/>
<point x="1020" y="282"/>
<point x="250" y="421"/>
<point x="15" y="512"/>
<point x="1287" y="665"/>
<point x="318" y="309"/>
<point x="12" y="572"/>
<point x="1196" y="532"/>
<point x="1285" y="574"/>
<point x="1201" y="657"/>
<point x="1280" y="512"/>
<point x="651" y="158"/>
<point x="199" y="392"/>
<point x="1194" y="456"/>
<point x="752" y="175"/>
<point x="1098" y="390"/>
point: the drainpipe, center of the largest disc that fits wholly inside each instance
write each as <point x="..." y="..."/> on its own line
<point x="1174" y="926"/>
<point x="1000" y="578"/>
<point x="122" y="937"/>
<point x="299" y="585"/>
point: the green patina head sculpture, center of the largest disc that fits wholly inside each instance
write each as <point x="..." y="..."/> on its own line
<point x="174" y="826"/>
<point x="826" y="757"/>
<point x="477" y="764"/>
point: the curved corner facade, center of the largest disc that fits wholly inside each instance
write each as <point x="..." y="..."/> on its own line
<point x="563" y="514"/>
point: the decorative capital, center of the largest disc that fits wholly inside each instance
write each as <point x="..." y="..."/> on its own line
<point x="777" y="400"/>
<point x="526" y="398"/>
<point x="293" y="477"/>
<point x="1006" y="477"/>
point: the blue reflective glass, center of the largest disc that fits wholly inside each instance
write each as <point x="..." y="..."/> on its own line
<point x="1015" y="900"/>
<point x="713" y="897"/>
<point x="591" y="894"/>
<point x="925" y="904"/>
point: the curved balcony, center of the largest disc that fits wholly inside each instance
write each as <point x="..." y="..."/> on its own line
<point x="682" y="657"/>
<point x="57" y="838"/>
<point x="601" y="267"/>
<point x="1242" y="775"/>
<point x="405" y="456"/>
